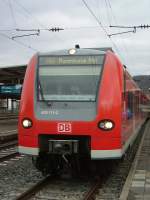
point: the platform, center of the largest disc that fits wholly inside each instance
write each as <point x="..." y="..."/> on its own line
<point x="137" y="186"/>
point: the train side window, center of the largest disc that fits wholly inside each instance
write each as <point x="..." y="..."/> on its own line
<point x="124" y="82"/>
<point x="130" y="105"/>
<point x="136" y="102"/>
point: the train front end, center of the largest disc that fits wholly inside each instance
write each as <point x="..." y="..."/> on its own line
<point x="64" y="114"/>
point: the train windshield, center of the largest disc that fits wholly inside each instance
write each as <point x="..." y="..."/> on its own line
<point x="69" y="78"/>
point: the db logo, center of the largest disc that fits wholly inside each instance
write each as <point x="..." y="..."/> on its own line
<point x="64" y="127"/>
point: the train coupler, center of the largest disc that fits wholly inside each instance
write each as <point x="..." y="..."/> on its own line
<point x="63" y="147"/>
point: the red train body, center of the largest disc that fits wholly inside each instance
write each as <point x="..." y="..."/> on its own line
<point x="79" y="103"/>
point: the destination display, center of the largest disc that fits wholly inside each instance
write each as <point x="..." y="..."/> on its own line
<point x="10" y="89"/>
<point x="71" y="60"/>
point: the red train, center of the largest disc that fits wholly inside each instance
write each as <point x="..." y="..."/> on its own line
<point x="77" y="105"/>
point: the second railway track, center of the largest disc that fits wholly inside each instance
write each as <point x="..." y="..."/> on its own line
<point x="8" y="116"/>
<point x="8" y="153"/>
<point x="8" y="150"/>
<point x="8" y="144"/>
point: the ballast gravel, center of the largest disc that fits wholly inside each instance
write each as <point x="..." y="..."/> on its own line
<point x="16" y="176"/>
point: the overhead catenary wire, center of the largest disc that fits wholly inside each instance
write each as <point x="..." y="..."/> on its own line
<point x="26" y="35"/>
<point x="53" y="29"/>
<point x="107" y="11"/>
<point x="29" y="13"/>
<point x="33" y="17"/>
<point x="113" y="16"/>
<point x="94" y="16"/>
<point x="2" y="34"/>
<point x="128" y="27"/>
<point x="111" y="19"/>
<point x="66" y="28"/>
<point x="123" y="41"/>
<point x="48" y="29"/>
<point x="134" y="29"/>
<point x="7" y="30"/>
<point x="12" y="12"/>
<point x="120" y="33"/>
<point x="101" y="25"/>
<point x="35" y="32"/>
<point x="18" y="42"/>
<point x="142" y="26"/>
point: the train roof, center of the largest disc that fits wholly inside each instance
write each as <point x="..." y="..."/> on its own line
<point x="102" y="49"/>
<point x="79" y="51"/>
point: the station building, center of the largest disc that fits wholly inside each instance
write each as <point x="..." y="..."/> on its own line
<point x="11" y="81"/>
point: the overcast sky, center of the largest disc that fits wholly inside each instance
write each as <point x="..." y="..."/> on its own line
<point x="80" y="27"/>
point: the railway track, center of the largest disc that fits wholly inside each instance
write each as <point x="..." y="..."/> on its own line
<point x="8" y="136"/>
<point x="8" y="144"/>
<point x="36" y="191"/>
<point x="8" y="156"/>
<point x="91" y="194"/>
<point x="8" y="150"/>
<point x="8" y="117"/>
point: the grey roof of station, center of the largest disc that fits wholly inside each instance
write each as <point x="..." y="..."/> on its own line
<point x="11" y="74"/>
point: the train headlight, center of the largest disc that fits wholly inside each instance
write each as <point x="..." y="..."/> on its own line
<point x="106" y="125"/>
<point x="27" y="123"/>
<point x="72" y="51"/>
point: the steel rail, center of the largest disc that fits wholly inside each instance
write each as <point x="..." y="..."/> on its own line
<point x="8" y="117"/>
<point x="34" y="189"/>
<point x="91" y="194"/>
<point x="9" y="135"/>
<point x="8" y="144"/>
<point x="9" y="156"/>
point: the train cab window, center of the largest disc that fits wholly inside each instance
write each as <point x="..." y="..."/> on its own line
<point x="69" y="78"/>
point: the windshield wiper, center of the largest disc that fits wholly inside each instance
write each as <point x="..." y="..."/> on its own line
<point x="48" y="103"/>
<point x="40" y="89"/>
